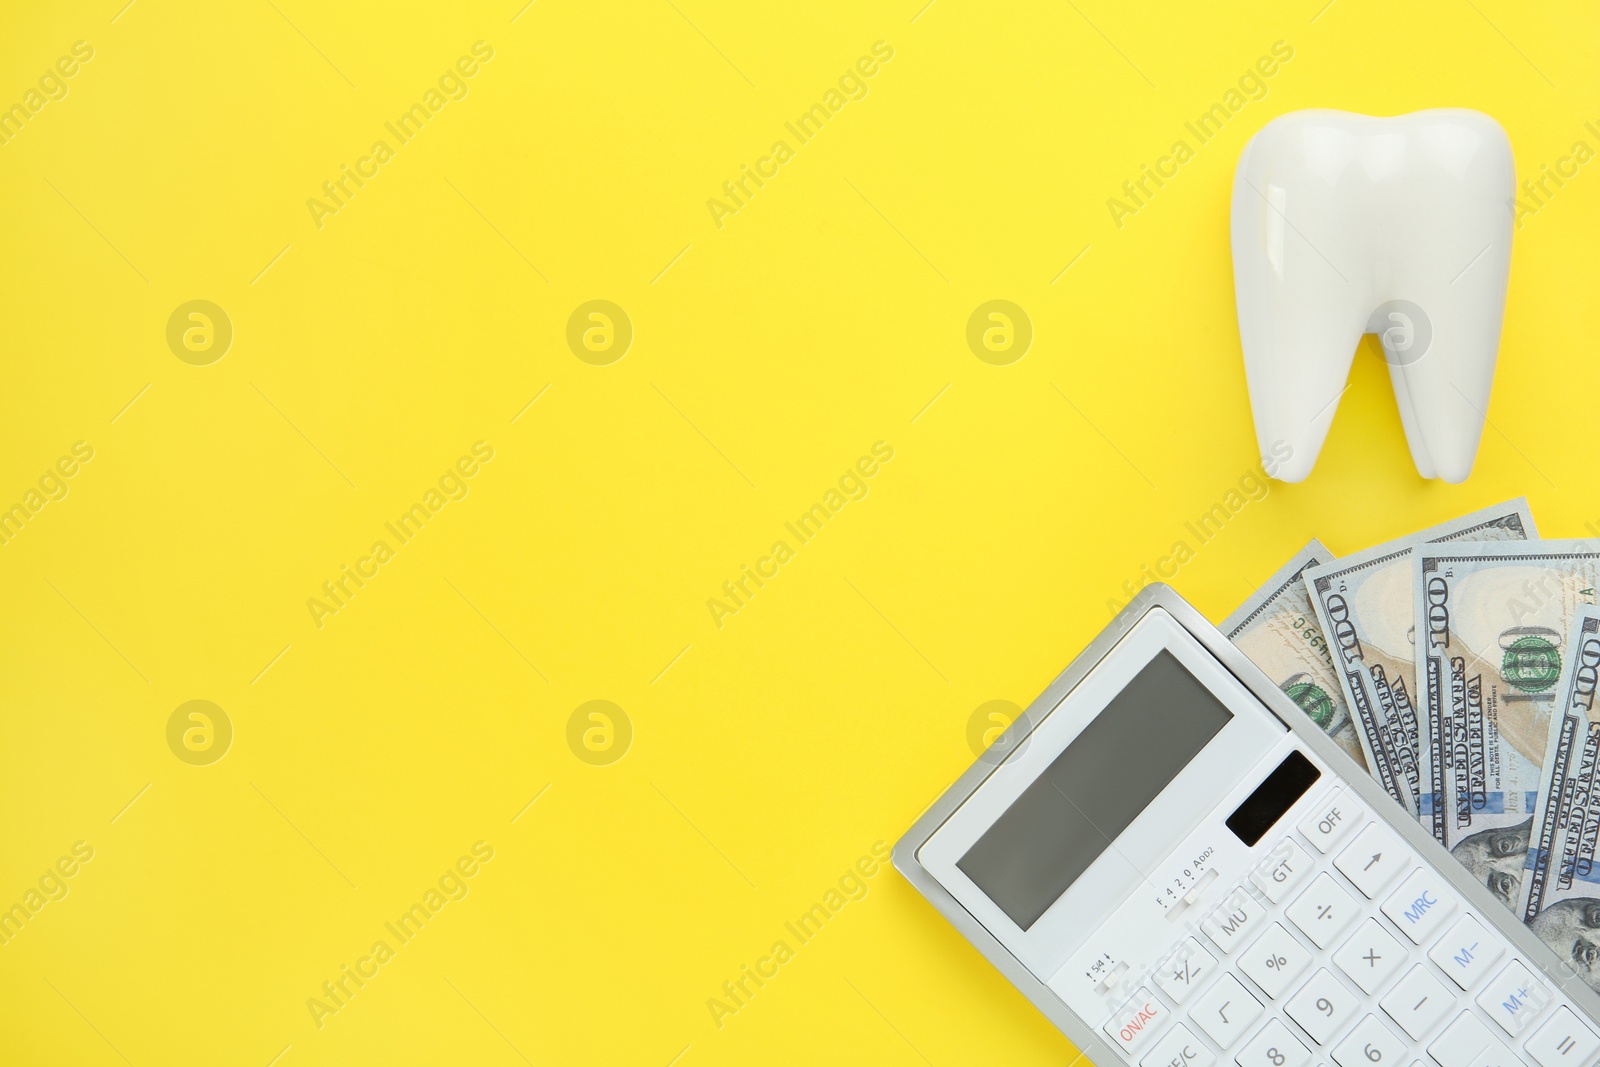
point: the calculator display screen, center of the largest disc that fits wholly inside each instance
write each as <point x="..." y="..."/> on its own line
<point x="1089" y="794"/>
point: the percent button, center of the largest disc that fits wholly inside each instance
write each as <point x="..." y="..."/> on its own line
<point x="1275" y="961"/>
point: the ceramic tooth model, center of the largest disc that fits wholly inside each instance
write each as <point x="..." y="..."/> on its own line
<point x="1344" y="224"/>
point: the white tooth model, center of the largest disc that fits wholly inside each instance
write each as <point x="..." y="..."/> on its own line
<point x="1346" y="224"/>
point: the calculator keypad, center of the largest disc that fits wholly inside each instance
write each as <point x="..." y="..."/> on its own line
<point x="1342" y="949"/>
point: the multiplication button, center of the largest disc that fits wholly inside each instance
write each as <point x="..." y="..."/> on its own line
<point x="1563" y="1042"/>
<point x="1332" y="819"/>
<point x="1370" y="957"/>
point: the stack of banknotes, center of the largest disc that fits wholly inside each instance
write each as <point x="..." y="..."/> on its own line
<point x="1458" y="666"/>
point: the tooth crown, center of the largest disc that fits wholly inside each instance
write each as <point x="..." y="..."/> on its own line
<point x="1345" y="224"/>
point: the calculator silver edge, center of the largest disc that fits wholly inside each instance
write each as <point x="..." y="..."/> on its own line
<point x="1081" y="1032"/>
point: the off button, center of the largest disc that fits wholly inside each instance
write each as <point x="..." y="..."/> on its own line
<point x="1330" y="820"/>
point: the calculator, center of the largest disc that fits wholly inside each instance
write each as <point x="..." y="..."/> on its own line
<point x="1172" y="862"/>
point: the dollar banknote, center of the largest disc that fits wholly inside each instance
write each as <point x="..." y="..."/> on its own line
<point x="1492" y="620"/>
<point x="1364" y="603"/>
<point x="1278" y="631"/>
<point x="1560" y="896"/>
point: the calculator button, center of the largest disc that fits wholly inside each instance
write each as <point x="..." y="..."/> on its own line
<point x="1370" y="1044"/>
<point x="1274" y="961"/>
<point x="1139" y="1019"/>
<point x="1495" y="1054"/>
<point x="1274" y="1046"/>
<point x="1226" y="1011"/>
<point x="1281" y="871"/>
<point x="1236" y="919"/>
<point x="1332" y="819"/>
<point x="1418" y="1001"/>
<point x="1179" y="1048"/>
<point x="1461" y="1042"/>
<point x="1374" y="860"/>
<point x="1513" y="997"/>
<point x="1466" y="951"/>
<point x="1563" y="1041"/>
<point x="1185" y="971"/>
<point x="1421" y="905"/>
<point x="1370" y="957"/>
<point x="1322" y="1007"/>
<point x="1324" y="911"/>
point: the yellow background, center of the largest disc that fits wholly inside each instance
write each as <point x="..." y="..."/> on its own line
<point x="767" y="755"/>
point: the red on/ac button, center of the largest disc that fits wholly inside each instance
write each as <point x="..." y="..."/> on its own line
<point x="1137" y="1021"/>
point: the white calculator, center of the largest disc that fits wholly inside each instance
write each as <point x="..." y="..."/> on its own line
<point x="1180" y="870"/>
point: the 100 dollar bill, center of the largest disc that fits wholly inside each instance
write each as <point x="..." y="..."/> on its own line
<point x="1492" y="619"/>
<point x="1278" y="631"/>
<point x="1364" y="603"/>
<point x="1560" y="898"/>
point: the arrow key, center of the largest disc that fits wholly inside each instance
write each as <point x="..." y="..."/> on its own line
<point x="1374" y="860"/>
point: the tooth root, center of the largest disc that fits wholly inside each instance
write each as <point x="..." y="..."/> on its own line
<point x="1447" y="388"/>
<point x="1299" y="324"/>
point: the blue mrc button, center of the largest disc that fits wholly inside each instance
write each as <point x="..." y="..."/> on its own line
<point x="1420" y="906"/>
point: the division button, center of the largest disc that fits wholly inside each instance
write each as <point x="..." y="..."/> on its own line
<point x="1324" y="911"/>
